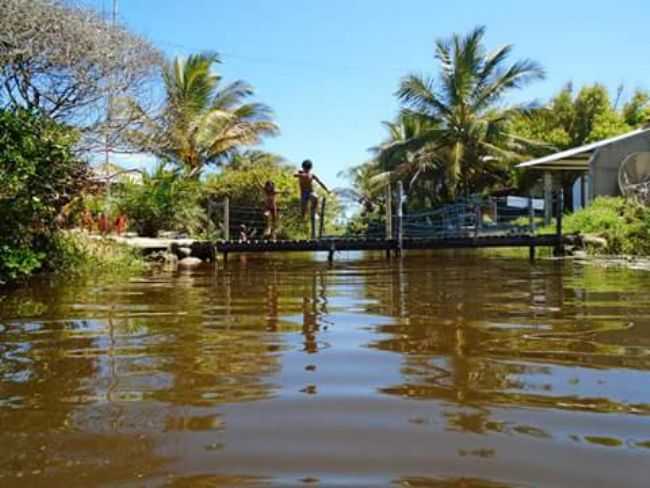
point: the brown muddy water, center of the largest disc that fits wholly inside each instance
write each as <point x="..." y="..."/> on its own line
<point x="433" y="371"/>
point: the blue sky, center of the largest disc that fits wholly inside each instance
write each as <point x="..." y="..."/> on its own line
<point x="329" y="68"/>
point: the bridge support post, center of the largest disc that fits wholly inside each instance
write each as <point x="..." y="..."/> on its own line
<point x="321" y="222"/>
<point x="226" y="219"/>
<point x="559" y="246"/>
<point x="389" y="213"/>
<point x="400" y="218"/>
<point x="531" y="227"/>
<point x="330" y="253"/>
<point x="312" y="221"/>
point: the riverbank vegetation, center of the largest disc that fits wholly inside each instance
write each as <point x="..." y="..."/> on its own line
<point x="77" y="85"/>
<point x="455" y="134"/>
<point x="623" y="226"/>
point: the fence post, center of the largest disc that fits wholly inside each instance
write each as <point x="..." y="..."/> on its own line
<point x="322" y="218"/>
<point x="559" y="248"/>
<point x="531" y="215"/>
<point x="531" y="227"/>
<point x="477" y="217"/>
<point x="312" y="220"/>
<point x="389" y="213"/>
<point x="400" y="217"/>
<point x="226" y="219"/>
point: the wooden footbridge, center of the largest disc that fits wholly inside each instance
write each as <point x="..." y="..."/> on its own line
<point x="332" y="245"/>
<point x="478" y="224"/>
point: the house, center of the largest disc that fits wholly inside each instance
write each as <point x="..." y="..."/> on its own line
<point x="110" y="173"/>
<point x="592" y="169"/>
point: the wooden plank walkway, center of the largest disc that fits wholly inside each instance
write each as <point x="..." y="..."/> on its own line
<point x="331" y="245"/>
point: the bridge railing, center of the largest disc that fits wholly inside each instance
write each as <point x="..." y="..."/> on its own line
<point x="476" y="217"/>
<point x="471" y="217"/>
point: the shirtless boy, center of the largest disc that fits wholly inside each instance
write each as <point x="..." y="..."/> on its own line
<point x="306" y="181"/>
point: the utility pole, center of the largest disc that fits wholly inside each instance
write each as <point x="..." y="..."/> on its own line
<point x="109" y="109"/>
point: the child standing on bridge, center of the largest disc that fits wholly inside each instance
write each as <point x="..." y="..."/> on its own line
<point x="270" y="210"/>
<point x="307" y="194"/>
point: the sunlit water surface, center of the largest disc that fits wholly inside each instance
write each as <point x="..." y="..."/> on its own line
<point x="438" y="371"/>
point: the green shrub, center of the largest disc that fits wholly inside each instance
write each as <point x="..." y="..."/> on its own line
<point x="625" y="224"/>
<point x="75" y="252"/>
<point x="164" y="200"/>
<point x="40" y="176"/>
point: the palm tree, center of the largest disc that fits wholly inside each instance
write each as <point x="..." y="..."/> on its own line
<point x="203" y="123"/>
<point x="406" y="153"/>
<point x="464" y="129"/>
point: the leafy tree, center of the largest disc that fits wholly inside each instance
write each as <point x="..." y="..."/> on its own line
<point x="66" y="62"/>
<point x="40" y="176"/>
<point x="163" y="200"/>
<point x="466" y="139"/>
<point x="202" y="122"/>
<point x="636" y="111"/>
<point x="571" y="120"/>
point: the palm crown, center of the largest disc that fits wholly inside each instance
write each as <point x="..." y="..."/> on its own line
<point x="462" y="131"/>
<point x="203" y="123"/>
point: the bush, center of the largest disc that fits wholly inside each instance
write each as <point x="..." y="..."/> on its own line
<point x="625" y="224"/>
<point x="75" y="252"/>
<point x="164" y="200"/>
<point x="40" y="177"/>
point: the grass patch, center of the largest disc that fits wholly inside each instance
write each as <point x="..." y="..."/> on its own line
<point x="79" y="254"/>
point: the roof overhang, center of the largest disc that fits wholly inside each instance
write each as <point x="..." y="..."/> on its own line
<point x="577" y="158"/>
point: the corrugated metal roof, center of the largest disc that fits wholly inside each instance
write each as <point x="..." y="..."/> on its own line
<point x="574" y="155"/>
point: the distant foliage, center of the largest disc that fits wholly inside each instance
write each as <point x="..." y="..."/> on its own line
<point x="242" y="181"/>
<point x="40" y="177"/>
<point x="164" y="200"/>
<point x="572" y="119"/>
<point x="636" y="111"/>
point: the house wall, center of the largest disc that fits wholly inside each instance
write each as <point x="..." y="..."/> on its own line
<point x="603" y="170"/>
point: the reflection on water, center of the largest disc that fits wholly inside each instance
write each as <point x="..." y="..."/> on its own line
<point x="431" y="371"/>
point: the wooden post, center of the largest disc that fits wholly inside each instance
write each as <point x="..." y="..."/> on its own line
<point x="531" y="215"/>
<point x="330" y="253"/>
<point x="312" y="220"/>
<point x="322" y="218"/>
<point x="559" y="248"/>
<point x="548" y="197"/>
<point x="477" y="218"/>
<point x="400" y="217"/>
<point x="226" y="219"/>
<point x="389" y="213"/>
<point x="531" y="227"/>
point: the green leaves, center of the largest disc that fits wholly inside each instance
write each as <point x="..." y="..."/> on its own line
<point x="40" y="176"/>
<point x="453" y="130"/>
<point x="165" y="200"/>
<point x="202" y="123"/>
